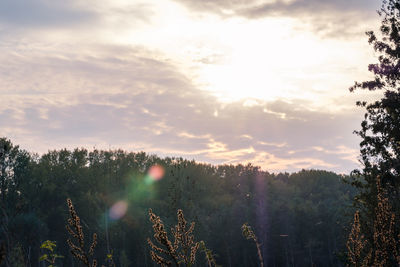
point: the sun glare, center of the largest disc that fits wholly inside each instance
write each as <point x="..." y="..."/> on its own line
<point x="267" y="60"/>
<point x="237" y="58"/>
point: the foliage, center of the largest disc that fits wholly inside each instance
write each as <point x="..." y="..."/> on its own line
<point x="14" y="166"/>
<point x="380" y="133"/>
<point x="248" y="233"/>
<point x="49" y="256"/>
<point x="299" y="218"/>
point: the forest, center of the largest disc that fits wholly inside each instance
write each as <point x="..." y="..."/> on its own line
<point x="300" y="219"/>
<point x="80" y="207"/>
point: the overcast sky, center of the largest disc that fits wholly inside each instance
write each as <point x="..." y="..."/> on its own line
<point x="219" y="81"/>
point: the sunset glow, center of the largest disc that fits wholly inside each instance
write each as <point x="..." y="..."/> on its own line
<point x="247" y="77"/>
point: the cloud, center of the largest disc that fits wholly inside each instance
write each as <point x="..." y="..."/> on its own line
<point x="43" y="13"/>
<point x="332" y="18"/>
<point x="313" y="7"/>
<point x="68" y="88"/>
<point x="133" y="101"/>
<point x="256" y="8"/>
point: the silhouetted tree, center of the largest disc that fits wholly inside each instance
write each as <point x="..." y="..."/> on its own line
<point x="380" y="129"/>
<point x="13" y="167"/>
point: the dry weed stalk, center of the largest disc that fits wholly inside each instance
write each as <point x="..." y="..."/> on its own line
<point x="248" y="233"/>
<point x="356" y="244"/>
<point x="385" y="248"/>
<point x="384" y="241"/>
<point x="209" y="255"/>
<point x="181" y="251"/>
<point x="74" y="228"/>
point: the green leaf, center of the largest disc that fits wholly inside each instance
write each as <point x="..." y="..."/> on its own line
<point x="43" y="257"/>
<point x="49" y="245"/>
<point x="57" y="256"/>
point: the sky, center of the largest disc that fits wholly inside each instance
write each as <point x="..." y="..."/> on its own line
<point x="219" y="81"/>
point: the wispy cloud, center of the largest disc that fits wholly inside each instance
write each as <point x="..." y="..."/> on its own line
<point x="332" y="18"/>
<point x="132" y="100"/>
<point x="257" y="8"/>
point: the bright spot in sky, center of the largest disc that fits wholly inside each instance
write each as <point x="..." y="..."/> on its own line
<point x="118" y="210"/>
<point x="237" y="58"/>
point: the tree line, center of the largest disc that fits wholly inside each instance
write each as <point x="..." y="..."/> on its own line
<point x="300" y="219"/>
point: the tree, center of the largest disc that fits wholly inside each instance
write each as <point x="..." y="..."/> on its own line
<point x="380" y="128"/>
<point x="14" y="164"/>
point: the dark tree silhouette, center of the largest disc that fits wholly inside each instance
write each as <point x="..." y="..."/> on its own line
<point x="380" y="128"/>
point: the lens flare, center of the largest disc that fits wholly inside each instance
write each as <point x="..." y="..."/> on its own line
<point x="155" y="173"/>
<point x="118" y="210"/>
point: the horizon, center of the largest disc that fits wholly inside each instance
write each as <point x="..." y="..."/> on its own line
<point x="89" y="150"/>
